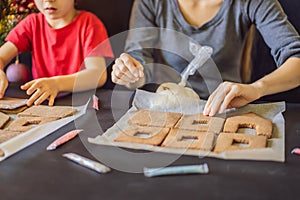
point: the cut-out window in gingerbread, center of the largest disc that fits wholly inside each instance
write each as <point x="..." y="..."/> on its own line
<point x="240" y="143"/>
<point x="200" y="122"/>
<point x="188" y="138"/>
<point x="142" y="135"/>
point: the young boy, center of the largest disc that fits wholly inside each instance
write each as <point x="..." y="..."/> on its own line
<point x="222" y="25"/>
<point x="68" y="46"/>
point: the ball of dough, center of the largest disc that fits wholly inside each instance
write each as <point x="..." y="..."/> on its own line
<point x="177" y="90"/>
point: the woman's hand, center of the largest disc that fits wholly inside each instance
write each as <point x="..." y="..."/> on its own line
<point x="41" y="90"/>
<point x="230" y="95"/>
<point x="3" y="83"/>
<point x="126" y="70"/>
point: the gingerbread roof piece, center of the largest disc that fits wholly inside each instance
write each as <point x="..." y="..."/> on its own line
<point x="47" y="111"/>
<point x="251" y="120"/>
<point x="23" y="124"/>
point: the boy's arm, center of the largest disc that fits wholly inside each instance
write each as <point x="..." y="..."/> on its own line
<point x="7" y="52"/>
<point x="94" y="75"/>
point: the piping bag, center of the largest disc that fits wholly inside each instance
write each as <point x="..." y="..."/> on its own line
<point x="202" y="54"/>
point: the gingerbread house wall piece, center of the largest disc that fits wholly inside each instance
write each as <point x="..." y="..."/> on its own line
<point x="228" y="142"/>
<point x="200" y="122"/>
<point x="143" y="134"/>
<point x="186" y="139"/>
<point x="154" y="118"/>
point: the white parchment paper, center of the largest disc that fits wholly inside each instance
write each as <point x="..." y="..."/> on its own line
<point x="27" y="138"/>
<point x="159" y="102"/>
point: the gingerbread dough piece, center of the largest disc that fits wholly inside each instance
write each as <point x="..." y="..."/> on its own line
<point x="3" y="119"/>
<point x="2" y="154"/>
<point x="143" y="135"/>
<point x="185" y="139"/>
<point x="23" y="124"/>
<point x="237" y="141"/>
<point x="47" y="111"/>
<point x="200" y="122"/>
<point x="154" y="118"/>
<point x="12" y="103"/>
<point x="261" y="125"/>
<point x="7" y="135"/>
<point x="14" y="111"/>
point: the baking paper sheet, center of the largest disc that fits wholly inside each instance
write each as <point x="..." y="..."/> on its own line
<point x="157" y="102"/>
<point x="27" y="138"/>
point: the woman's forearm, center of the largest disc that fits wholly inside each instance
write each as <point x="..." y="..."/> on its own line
<point x="284" y="78"/>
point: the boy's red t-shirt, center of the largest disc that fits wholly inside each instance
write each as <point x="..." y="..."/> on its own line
<point x="60" y="51"/>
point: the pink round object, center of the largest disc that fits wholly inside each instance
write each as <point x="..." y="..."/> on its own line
<point x="18" y="73"/>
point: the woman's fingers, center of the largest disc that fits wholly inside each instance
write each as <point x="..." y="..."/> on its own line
<point x="229" y="95"/>
<point x="216" y="102"/>
<point x="126" y="70"/>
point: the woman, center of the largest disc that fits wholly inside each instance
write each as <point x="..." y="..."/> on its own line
<point x="222" y="25"/>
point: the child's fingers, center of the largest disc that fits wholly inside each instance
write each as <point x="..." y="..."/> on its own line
<point x="51" y="100"/>
<point x="44" y="96"/>
<point x="3" y="86"/>
<point x="34" y="86"/>
<point x="2" y="91"/>
<point x="27" y="85"/>
<point x="34" y="97"/>
<point x="3" y="83"/>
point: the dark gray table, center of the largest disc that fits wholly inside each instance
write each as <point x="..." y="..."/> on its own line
<point x="35" y="173"/>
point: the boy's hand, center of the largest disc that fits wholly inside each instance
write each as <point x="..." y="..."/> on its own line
<point x="41" y="90"/>
<point x="3" y="83"/>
